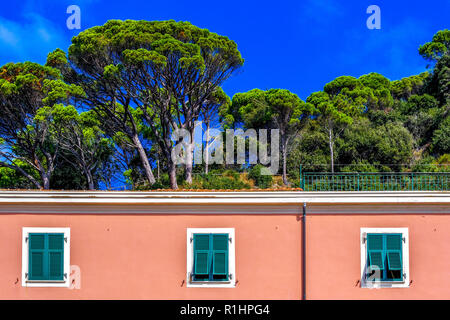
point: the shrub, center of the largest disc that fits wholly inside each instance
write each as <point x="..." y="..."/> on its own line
<point x="261" y="180"/>
<point x="217" y="179"/>
<point x="228" y="180"/>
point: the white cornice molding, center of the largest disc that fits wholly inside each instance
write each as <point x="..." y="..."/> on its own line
<point x="240" y="202"/>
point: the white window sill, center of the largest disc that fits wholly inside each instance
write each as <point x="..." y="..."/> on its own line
<point x="46" y="284"/>
<point x="384" y="284"/>
<point x="46" y="281"/>
<point x="211" y="284"/>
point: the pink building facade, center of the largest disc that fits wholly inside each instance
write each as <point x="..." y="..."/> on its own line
<point x="224" y="245"/>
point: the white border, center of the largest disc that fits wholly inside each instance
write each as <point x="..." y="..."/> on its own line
<point x="405" y="255"/>
<point x="25" y="232"/>
<point x="231" y="258"/>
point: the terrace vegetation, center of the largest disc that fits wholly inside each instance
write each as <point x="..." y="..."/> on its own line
<point x="101" y="115"/>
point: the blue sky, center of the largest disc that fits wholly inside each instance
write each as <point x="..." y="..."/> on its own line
<point x="299" y="45"/>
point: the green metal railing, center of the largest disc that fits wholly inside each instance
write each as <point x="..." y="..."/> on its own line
<point x="379" y="181"/>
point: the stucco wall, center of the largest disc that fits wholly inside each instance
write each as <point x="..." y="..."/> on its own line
<point x="333" y="261"/>
<point x="144" y="256"/>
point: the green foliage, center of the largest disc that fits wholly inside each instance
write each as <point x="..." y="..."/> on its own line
<point x="365" y="124"/>
<point x="12" y="179"/>
<point x="426" y="164"/>
<point x="438" y="47"/>
<point x="151" y="44"/>
<point x="214" y="180"/>
<point x="218" y="180"/>
<point x="341" y="99"/>
<point x="405" y="87"/>
<point x="186" y="64"/>
<point x="441" y="138"/>
<point x="443" y="162"/>
<point x="362" y="166"/>
<point x="250" y="108"/>
<point x="363" y="143"/>
<point x="377" y="90"/>
<point x="311" y="150"/>
<point x="56" y="59"/>
<point x="261" y="180"/>
<point x="67" y="177"/>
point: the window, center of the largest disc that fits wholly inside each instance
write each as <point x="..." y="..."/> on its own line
<point x="45" y="257"/>
<point x="384" y="257"/>
<point x="210" y="257"/>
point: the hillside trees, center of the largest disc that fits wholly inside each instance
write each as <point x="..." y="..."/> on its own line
<point x="210" y="112"/>
<point x="112" y="105"/>
<point x="26" y="89"/>
<point x="341" y="100"/>
<point x="438" y="52"/>
<point x="438" y="47"/>
<point x="84" y="144"/>
<point x="167" y="69"/>
<point x="271" y="109"/>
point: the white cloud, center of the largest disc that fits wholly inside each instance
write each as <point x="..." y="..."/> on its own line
<point x="7" y="36"/>
<point x="31" y="39"/>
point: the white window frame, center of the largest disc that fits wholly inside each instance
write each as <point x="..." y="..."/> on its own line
<point x="25" y="247"/>
<point x="231" y="283"/>
<point x="405" y="257"/>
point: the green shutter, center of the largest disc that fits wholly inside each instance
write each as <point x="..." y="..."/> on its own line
<point x="201" y="241"/>
<point x="220" y="254"/>
<point x="220" y="241"/>
<point x="56" y="256"/>
<point x="376" y="259"/>
<point x="201" y="254"/>
<point x="36" y="271"/>
<point x="375" y="250"/>
<point x="386" y="247"/>
<point x="36" y="256"/>
<point x="394" y="260"/>
<point x="56" y="241"/>
<point x="220" y="263"/>
<point x="37" y="241"/>
<point x="201" y="262"/>
<point x="46" y="256"/>
<point x="210" y="257"/>
<point x="375" y="241"/>
<point x="394" y="251"/>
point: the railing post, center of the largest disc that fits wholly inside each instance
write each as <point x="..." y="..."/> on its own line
<point x="357" y="175"/>
<point x="412" y="181"/>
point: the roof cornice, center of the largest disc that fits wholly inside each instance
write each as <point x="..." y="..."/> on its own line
<point x="209" y="197"/>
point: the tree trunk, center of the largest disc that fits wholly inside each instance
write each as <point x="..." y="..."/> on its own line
<point x="330" y="135"/>
<point x="157" y="164"/>
<point x="144" y="160"/>
<point x="207" y="148"/>
<point x="172" y="175"/>
<point x="90" y="180"/>
<point x="284" y="151"/>
<point x="46" y="181"/>
<point x="189" y="159"/>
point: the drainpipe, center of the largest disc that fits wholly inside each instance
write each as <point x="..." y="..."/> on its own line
<point x="304" y="252"/>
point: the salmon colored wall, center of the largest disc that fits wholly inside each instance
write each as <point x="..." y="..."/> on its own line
<point x="333" y="260"/>
<point x="144" y="256"/>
